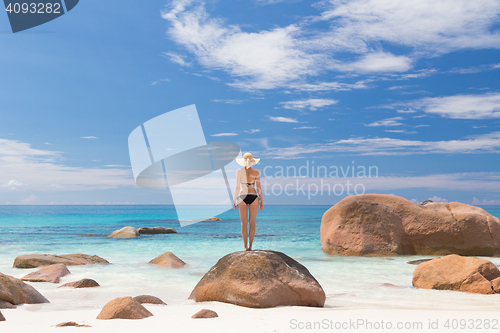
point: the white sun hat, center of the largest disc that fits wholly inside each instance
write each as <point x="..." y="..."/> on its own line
<point x="247" y="161"/>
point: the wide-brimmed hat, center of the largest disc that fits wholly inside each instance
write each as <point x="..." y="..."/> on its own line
<point x="247" y="160"/>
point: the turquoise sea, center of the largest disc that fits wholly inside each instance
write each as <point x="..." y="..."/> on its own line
<point x="349" y="282"/>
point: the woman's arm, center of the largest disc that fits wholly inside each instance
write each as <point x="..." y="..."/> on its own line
<point x="237" y="189"/>
<point x="259" y="191"/>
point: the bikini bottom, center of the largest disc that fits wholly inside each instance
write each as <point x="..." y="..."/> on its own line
<point x="249" y="198"/>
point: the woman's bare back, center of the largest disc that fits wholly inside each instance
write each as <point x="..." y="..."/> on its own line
<point x="248" y="178"/>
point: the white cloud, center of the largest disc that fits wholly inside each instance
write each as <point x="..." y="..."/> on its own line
<point x="437" y="199"/>
<point x="486" y="143"/>
<point x="26" y="168"/>
<point x="472" y="70"/>
<point x="484" y="106"/>
<point x="306" y="127"/>
<point x="154" y="83"/>
<point x="176" y="58"/>
<point x="283" y="119"/>
<point x="229" y="101"/>
<point x="13" y="184"/>
<point x="225" y="134"/>
<point x="262" y="60"/>
<point x="485" y="202"/>
<point x="311" y="104"/>
<point x="255" y="130"/>
<point x="379" y="62"/>
<point x="397" y="88"/>
<point x="400" y="131"/>
<point x="287" y="57"/>
<point x="426" y="26"/>
<point x="406" y="111"/>
<point x="386" y="122"/>
<point x="329" y="86"/>
<point x="88" y="137"/>
<point x="30" y="199"/>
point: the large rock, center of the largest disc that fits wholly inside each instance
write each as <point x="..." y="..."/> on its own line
<point x="83" y="283"/>
<point x="377" y="224"/>
<point x="454" y="272"/>
<point x="156" y="230"/>
<point x="52" y="274"/>
<point x="15" y="291"/>
<point x="125" y="232"/>
<point x="124" y="308"/>
<point x="148" y="299"/>
<point x="259" y="279"/>
<point x="168" y="259"/>
<point x="38" y="260"/>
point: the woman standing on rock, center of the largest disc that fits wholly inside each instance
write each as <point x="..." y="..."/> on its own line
<point x="246" y="197"/>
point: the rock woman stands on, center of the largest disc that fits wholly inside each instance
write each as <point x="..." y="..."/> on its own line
<point x="247" y="196"/>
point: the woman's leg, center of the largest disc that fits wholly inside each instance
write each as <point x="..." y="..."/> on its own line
<point x="243" y="208"/>
<point x="253" y="208"/>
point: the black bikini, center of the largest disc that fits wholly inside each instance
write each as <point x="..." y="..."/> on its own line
<point x="249" y="197"/>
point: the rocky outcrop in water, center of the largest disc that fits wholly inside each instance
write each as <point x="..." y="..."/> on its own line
<point x="380" y="225"/>
<point x="52" y="274"/>
<point x="38" y="260"/>
<point x="156" y="230"/>
<point x="125" y="232"/>
<point x="169" y="260"/>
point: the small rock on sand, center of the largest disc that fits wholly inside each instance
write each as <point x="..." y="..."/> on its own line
<point x="147" y="299"/>
<point x="7" y="305"/>
<point x="71" y="324"/>
<point x="124" y="308"/>
<point x="83" y="283"/>
<point x="205" y="313"/>
<point x="15" y="291"/>
<point x="2" y="318"/>
<point x="454" y="272"/>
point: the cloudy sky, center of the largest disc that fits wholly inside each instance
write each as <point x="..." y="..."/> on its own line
<point x="409" y="88"/>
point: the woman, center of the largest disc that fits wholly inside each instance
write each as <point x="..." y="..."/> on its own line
<point x="246" y="197"/>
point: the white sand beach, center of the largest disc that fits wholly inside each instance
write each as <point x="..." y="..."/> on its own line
<point x="177" y="318"/>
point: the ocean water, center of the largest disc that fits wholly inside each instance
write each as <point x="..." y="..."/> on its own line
<point x="349" y="282"/>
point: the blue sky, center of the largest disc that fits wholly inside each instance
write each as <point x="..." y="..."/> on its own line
<point x="411" y="87"/>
